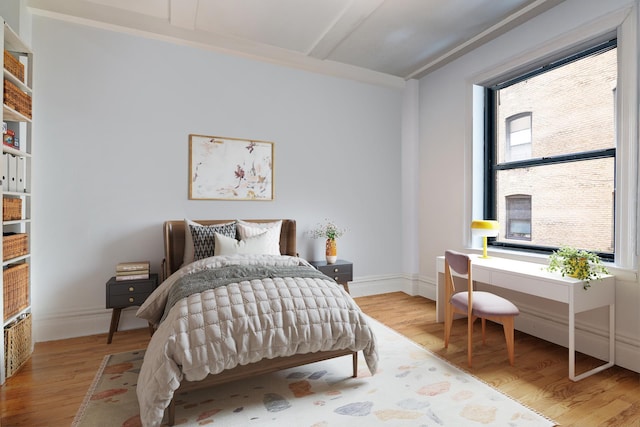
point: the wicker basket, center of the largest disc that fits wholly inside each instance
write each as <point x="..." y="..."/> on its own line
<point x="12" y="65"/>
<point x="17" y="99"/>
<point x="11" y="208"/>
<point x="17" y="344"/>
<point x="14" y="245"/>
<point x="15" y="289"/>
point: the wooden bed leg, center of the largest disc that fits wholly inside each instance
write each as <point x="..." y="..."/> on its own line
<point x="172" y="412"/>
<point x="355" y="365"/>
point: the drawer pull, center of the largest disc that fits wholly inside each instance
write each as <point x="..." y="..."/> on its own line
<point x="335" y="278"/>
<point x="131" y="289"/>
<point x="131" y="299"/>
<point x="335" y="270"/>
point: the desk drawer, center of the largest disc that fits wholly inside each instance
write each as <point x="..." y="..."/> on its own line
<point x="531" y="285"/>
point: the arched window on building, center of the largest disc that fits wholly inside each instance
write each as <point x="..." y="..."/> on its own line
<point x="518" y="138"/>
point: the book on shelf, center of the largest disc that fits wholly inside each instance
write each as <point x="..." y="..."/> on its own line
<point x="133" y="266"/>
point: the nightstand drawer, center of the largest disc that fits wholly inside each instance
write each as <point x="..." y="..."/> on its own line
<point x="341" y="278"/>
<point x="341" y="271"/>
<point x="127" y="293"/>
<point x="332" y="270"/>
<point x="135" y="287"/>
<point x="127" y="300"/>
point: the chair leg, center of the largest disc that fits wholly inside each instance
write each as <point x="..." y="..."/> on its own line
<point x="448" y="322"/>
<point x="470" y="321"/>
<point x="507" y="324"/>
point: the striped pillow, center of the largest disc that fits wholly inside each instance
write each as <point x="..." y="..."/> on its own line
<point x="199" y="239"/>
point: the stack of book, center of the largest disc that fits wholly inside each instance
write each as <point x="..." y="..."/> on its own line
<point x="132" y="270"/>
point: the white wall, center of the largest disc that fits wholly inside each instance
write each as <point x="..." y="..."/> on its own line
<point x="113" y="113"/>
<point x="445" y="167"/>
<point x="112" y="116"/>
<point x="14" y="12"/>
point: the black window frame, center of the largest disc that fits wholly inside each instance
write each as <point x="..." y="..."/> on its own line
<point x="491" y="167"/>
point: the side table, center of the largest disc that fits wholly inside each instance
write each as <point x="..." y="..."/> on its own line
<point x="127" y="293"/>
<point x="341" y="271"/>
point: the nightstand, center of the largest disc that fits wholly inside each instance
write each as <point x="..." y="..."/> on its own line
<point x="127" y="293"/>
<point x="341" y="271"/>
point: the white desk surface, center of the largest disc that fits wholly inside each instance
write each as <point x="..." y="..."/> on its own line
<point x="534" y="279"/>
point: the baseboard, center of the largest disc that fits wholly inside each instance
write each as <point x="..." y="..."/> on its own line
<point x="532" y="320"/>
<point x="376" y="285"/>
<point x="78" y="323"/>
<point x="81" y="323"/>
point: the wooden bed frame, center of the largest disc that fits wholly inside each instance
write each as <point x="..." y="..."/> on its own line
<point x="174" y="240"/>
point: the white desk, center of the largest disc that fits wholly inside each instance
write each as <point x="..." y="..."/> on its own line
<point x="534" y="279"/>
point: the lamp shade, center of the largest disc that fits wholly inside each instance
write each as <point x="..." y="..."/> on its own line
<point x="485" y="228"/>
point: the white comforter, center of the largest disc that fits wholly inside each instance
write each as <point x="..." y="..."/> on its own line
<point x="242" y="323"/>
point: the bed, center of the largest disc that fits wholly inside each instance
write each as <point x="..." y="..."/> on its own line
<point x="248" y="307"/>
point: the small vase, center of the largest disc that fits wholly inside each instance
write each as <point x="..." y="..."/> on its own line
<point x="331" y="251"/>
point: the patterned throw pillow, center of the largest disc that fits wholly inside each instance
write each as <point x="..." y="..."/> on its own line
<point x="203" y="237"/>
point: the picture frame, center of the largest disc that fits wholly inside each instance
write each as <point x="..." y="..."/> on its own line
<point x="223" y="168"/>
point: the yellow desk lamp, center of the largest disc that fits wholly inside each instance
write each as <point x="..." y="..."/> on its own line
<point x="484" y="228"/>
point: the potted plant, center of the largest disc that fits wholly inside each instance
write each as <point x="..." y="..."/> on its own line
<point x="577" y="263"/>
<point x="330" y="232"/>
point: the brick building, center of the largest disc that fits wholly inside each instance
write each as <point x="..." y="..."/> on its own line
<point x="567" y="110"/>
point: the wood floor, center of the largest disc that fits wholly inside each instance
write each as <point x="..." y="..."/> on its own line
<point x="48" y="390"/>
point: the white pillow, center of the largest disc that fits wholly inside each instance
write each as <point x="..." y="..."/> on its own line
<point x="205" y="238"/>
<point x="252" y="245"/>
<point x="251" y="229"/>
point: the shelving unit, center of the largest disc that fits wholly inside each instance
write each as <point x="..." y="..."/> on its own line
<point x="15" y="168"/>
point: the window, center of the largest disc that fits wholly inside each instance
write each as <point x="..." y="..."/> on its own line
<point x="518" y="137"/>
<point x="567" y="166"/>
<point x="519" y="217"/>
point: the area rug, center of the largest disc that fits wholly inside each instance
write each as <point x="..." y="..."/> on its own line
<point x="413" y="387"/>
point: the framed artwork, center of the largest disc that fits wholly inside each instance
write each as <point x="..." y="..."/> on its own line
<point x="222" y="168"/>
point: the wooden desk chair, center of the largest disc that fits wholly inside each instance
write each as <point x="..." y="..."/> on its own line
<point x="474" y="304"/>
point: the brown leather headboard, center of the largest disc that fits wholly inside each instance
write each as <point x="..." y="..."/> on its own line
<point x="174" y="230"/>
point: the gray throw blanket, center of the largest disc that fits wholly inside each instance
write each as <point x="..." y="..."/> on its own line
<point x="222" y="276"/>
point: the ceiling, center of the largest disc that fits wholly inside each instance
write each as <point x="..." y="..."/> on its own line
<point x="386" y="40"/>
